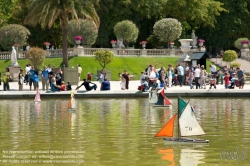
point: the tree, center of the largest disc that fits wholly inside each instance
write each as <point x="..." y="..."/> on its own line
<point x="36" y="56"/>
<point x="104" y="57"/>
<point x="82" y="27"/>
<point x="46" y="12"/>
<point x="229" y="56"/>
<point x="126" y="30"/>
<point x="167" y="29"/>
<point x="11" y="34"/>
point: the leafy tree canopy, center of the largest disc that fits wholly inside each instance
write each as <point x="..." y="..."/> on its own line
<point x="82" y="27"/>
<point x="36" y="56"/>
<point x="104" y="57"/>
<point x="229" y="56"/>
<point x="126" y="30"/>
<point x="11" y="34"/>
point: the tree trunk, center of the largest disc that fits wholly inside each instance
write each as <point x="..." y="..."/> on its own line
<point x="65" y="42"/>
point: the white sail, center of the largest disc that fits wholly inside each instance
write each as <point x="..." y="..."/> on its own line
<point x="188" y="123"/>
<point x="73" y="102"/>
<point x="190" y="157"/>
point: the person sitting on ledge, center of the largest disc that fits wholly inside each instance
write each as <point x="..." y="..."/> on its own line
<point x="105" y="85"/>
<point x="87" y="86"/>
<point x="68" y="87"/>
<point x="54" y="87"/>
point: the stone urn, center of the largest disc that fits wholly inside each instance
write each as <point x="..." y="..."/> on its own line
<point x="185" y="47"/>
<point x="143" y="46"/>
<point x="200" y="44"/>
<point x="245" y="45"/>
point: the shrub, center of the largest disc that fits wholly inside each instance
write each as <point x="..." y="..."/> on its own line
<point x="238" y="44"/>
<point x="229" y="56"/>
<point x="167" y="29"/>
<point x="235" y="65"/>
<point x="36" y="56"/>
<point x="82" y="27"/>
<point x="11" y="34"/>
<point x="126" y="30"/>
<point x="104" y="57"/>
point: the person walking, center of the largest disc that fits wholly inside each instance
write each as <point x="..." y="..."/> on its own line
<point x="197" y="72"/>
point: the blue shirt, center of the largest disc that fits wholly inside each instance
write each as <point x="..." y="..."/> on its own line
<point x="32" y="73"/>
<point x="45" y="74"/>
<point x="105" y="85"/>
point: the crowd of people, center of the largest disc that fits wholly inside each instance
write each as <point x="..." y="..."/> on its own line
<point x="152" y="77"/>
<point x="187" y="75"/>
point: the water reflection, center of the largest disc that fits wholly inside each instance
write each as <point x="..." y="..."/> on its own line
<point x="121" y="131"/>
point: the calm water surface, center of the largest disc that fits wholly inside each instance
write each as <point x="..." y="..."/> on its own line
<point x="105" y="132"/>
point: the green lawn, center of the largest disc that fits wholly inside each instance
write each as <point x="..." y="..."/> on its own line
<point x="88" y="64"/>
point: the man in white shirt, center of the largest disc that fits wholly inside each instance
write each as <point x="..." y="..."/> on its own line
<point x="186" y="69"/>
<point x="49" y="68"/>
<point x="212" y="69"/>
<point x="197" y="72"/>
<point x="27" y="69"/>
<point x="180" y="73"/>
<point x="79" y="72"/>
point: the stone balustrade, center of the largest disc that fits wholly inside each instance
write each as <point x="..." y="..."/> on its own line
<point x="80" y="51"/>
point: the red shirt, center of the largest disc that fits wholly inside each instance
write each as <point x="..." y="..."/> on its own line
<point x="226" y="79"/>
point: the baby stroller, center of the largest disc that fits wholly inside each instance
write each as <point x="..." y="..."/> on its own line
<point x="231" y="86"/>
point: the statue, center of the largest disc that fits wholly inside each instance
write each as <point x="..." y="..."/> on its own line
<point x="194" y="43"/>
<point x="120" y="43"/>
<point x="13" y="57"/>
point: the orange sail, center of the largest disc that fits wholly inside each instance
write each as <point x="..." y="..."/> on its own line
<point x="168" y="129"/>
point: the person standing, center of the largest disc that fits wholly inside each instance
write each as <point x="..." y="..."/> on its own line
<point x="240" y="75"/>
<point x="190" y="78"/>
<point x="27" y="69"/>
<point x="186" y="73"/>
<point x="180" y="74"/>
<point x="170" y="73"/>
<point x="45" y="79"/>
<point x="59" y="77"/>
<point x="79" y="72"/>
<point x="197" y="72"/>
<point x="226" y="80"/>
<point x="6" y="79"/>
<point x="203" y="76"/>
<point x="20" y="80"/>
<point x="31" y="76"/>
<point x="125" y="75"/>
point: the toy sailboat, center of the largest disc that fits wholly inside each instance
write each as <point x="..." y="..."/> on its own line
<point x="37" y="98"/>
<point x="71" y="102"/>
<point x="187" y="126"/>
<point x="159" y="100"/>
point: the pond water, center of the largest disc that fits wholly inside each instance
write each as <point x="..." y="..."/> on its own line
<point x="105" y="132"/>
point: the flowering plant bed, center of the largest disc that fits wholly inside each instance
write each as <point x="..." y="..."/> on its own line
<point x="78" y="37"/>
<point x="200" y="41"/>
<point x="113" y="42"/>
<point x="46" y="43"/>
<point x="143" y="42"/>
<point x="16" y="45"/>
<point x="244" y="42"/>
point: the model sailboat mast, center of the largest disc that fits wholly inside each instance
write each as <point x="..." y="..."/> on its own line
<point x="187" y="125"/>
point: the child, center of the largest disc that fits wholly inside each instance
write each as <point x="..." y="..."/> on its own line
<point x="212" y="82"/>
<point x="190" y="79"/>
<point x="226" y="79"/>
<point x="123" y="83"/>
<point x="68" y="87"/>
<point x="232" y="81"/>
<point x="63" y="87"/>
<point x="175" y="79"/>
<point x="89" y="76"/>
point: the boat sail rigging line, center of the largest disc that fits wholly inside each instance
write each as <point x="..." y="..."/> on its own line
<point x="187" y="126"/>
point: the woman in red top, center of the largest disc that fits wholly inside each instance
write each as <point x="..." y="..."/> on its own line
<point x="226" y="79"/>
